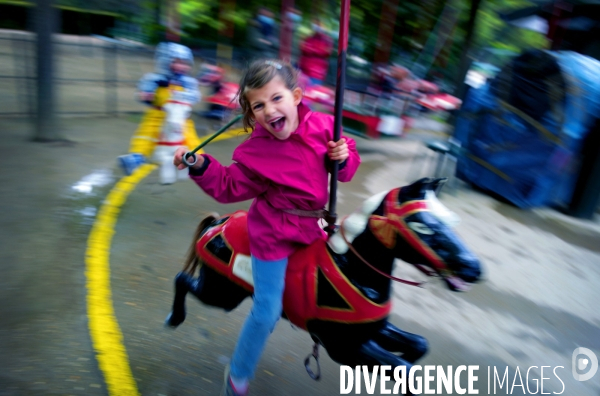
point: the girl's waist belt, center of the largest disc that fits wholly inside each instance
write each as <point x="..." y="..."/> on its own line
<point x="319" y="213"/>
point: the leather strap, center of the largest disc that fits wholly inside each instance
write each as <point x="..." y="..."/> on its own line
<point x="319" y="213"/>
<point x="380" y="272"/>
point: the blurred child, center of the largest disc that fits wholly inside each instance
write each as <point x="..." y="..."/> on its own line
<point x="315" y="52"/>
<point x="170" y="81"/>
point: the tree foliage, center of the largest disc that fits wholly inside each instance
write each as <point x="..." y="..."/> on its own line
<point x="125" y="7"/>
<point x="416" y="22"/>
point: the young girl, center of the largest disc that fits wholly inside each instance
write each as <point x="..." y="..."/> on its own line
<point x="283" y="167"/>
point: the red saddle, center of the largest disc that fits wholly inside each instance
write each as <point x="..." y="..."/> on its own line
<point x="225" y="248"/>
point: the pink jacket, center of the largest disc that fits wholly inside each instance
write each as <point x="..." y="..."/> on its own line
<point x="280" y="174"/>
<point x="315" y="52"/>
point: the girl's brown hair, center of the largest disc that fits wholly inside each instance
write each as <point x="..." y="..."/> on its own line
<point x="259" y="74"/>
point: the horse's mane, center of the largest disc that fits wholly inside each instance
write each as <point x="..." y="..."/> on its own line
<point x="355" y="223"/>
<point x="191" y="259"/>
<point x="440" y="211"/>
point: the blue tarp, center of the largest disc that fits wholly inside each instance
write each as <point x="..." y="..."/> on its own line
<point x="530" y="163"/>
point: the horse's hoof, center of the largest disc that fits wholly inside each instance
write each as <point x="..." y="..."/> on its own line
<point x="182" y="287"/>
<point x="427" y="271"/>
<point x="457" y="284"/>
<point x="172" y="321"/>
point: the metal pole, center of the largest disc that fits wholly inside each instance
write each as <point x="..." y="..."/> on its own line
<point x="20" y="70"/>
<point x="30" y="48"/>
<point x="204" y="143"/>
<point x="30" y="77"/>
<point x="45" y="22"/>
<point x="110" y="71"/>
<point x="339" y="106"/>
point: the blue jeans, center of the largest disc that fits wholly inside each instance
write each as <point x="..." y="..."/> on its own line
<point x="269" y="283"/>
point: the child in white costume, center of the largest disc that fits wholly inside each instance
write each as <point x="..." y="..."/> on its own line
<point x="170" y="82"/>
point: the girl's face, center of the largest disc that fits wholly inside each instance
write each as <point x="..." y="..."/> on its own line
<point x="180" y="66"/>
<point x="275" y="107"/>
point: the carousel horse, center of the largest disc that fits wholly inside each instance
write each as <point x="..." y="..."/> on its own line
<point x="177" y="112"/>
<point x="339" y="288"/>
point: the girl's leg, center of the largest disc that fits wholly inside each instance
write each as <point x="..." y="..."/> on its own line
<point x="145" y="137"/>
<point x="269" y="283"/>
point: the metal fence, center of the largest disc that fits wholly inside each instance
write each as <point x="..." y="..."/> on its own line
<point x="93" y="75"/>
<point x="96" y="75"/>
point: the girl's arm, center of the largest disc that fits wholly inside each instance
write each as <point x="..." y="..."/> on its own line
<point x="227" y="184"/>
<point x="147" y="87"/>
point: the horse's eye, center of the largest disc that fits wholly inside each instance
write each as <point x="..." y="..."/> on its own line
<point x="420" y="228"/>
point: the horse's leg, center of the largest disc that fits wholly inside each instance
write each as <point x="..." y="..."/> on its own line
<point x="391" y="338"/>
<point x="210" y="287"/>
<point x="372" y="354"/>
<point x="184" y="283"/>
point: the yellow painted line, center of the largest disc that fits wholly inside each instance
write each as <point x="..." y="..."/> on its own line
<point x="229" y="134"/>
<point x="104" y="329"/>
<point x="105" y="333"/>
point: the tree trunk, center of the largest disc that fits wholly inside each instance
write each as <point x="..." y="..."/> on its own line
<point x="387" y="26"/>
<point x="465" y="59"/>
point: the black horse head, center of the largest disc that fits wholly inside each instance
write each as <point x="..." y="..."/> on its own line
<point x="430" y="237"/>
<point x="410" y="224"/>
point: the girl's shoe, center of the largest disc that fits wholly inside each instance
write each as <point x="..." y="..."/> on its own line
<point x="228" y="388"/>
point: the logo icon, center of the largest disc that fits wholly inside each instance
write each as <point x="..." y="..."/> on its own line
<point x="580" y="364"/>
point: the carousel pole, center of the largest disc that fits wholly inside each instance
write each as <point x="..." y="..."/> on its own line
<point x="340" y="85"/>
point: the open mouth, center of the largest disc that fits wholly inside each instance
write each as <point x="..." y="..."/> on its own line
<point x="277" y="124"/>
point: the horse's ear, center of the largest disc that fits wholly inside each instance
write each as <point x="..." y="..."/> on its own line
<point x="437" y="184"/>
<point x="418" y="189"/>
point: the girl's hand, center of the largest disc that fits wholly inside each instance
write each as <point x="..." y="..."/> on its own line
<point x="338" y="151"/>
<point x="178" y="159"/>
